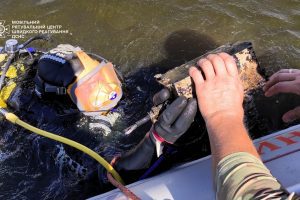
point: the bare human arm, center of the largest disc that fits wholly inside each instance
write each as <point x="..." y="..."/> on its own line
<point x="239" y="172"/>
<point x="220" y="98"/>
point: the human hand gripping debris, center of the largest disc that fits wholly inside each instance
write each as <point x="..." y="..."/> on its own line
<point x="219" y="91"/>
<point x="235" y="160"/>
<point x="285" y="81"/>
<point x="220" y="99"/>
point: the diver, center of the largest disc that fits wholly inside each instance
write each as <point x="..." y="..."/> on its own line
<point x="94" y="88"/>
<point x="171" y="124"/>
<point x="56" y="113"/>
<point x="69" y="83"/>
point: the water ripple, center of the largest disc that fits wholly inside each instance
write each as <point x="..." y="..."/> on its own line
<point x="42" y="2"/>
<point x="277" y="15"/>
<point x="294" y="33"/>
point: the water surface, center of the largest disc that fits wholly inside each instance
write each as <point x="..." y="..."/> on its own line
<point x="138" y="36"/>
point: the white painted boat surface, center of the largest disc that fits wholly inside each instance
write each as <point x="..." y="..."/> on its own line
<point x="280" y="152"/>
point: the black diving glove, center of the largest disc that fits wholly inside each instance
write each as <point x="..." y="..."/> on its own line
<point x="173" y="122"/>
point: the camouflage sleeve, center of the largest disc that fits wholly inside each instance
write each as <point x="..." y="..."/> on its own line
<point x="243" y="176"/>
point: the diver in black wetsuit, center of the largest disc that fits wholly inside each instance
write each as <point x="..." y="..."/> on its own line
<point x="53" y="115"/>
<point x="59" y="115"/>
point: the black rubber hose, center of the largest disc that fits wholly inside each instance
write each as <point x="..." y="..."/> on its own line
<point x="37" y="37"/>
<point x="137" y="124"/>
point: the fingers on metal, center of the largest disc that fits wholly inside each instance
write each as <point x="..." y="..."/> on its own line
<point x="207" y="68"/>
<point x="196" y="75"/>
<point x="230" y="64"/>
<point x="218" y="64"/>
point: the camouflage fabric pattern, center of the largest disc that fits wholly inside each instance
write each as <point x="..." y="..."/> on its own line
<point x="243" y="176"/>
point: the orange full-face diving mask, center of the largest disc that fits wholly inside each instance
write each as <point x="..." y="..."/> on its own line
<point x="97" y="88"/>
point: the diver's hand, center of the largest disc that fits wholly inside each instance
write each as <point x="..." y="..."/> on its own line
<point x="161" y="96"/>
<point x="220" y="93"/>
<point x="175" y="120"/>
<point x="285" y="81"/>
<point x="171" y="124"/>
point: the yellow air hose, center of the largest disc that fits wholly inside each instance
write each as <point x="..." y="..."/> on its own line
<point x="15" y="120"/>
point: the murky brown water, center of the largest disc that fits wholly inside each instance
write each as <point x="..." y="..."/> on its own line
<point x="134" y="33"/>
<point x="139" y="34"/>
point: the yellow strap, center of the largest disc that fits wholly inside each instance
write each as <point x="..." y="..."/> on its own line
<point x="88" y="63"/>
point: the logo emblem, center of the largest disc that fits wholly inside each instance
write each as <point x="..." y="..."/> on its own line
<point x="112" y="95"/>
<point x="4" y="29"/>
